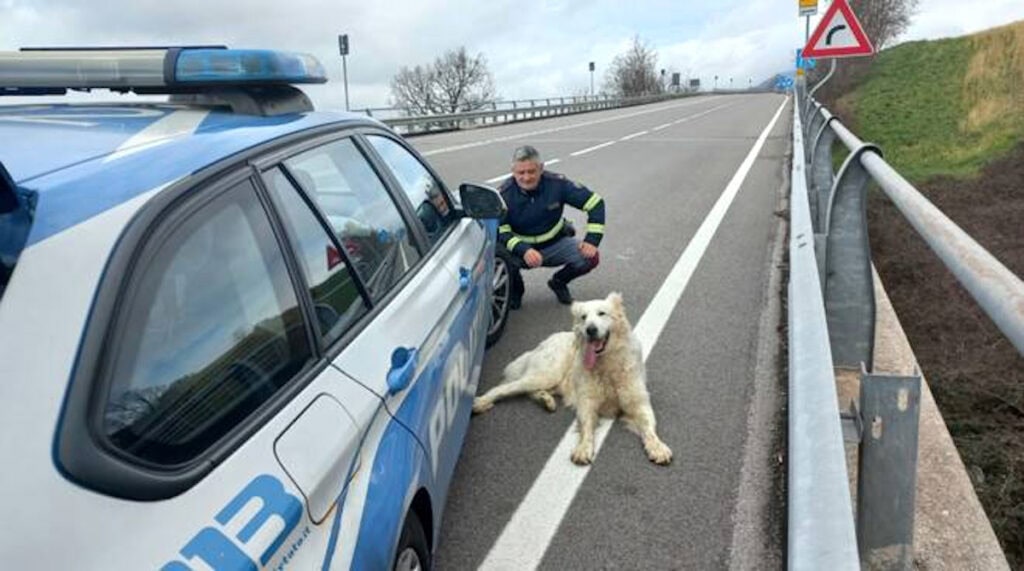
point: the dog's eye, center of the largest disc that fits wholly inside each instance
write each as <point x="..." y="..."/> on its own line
<point x="601" y="314"/>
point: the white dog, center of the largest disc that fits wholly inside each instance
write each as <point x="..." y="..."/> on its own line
<point x="597" y="367"/>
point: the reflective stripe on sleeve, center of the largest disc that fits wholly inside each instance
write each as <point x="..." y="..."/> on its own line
<point x="595" y="228"/>
<point x="594" y="200"/>
<point x="512" y="243"/>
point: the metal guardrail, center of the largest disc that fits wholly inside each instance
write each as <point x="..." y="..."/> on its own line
<point x="820" y="518"/>
<point x="830" y="208"/>
<point x="517" y="111"/>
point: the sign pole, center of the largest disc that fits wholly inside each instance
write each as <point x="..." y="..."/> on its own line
<point x="344" y="73"/>
<point x="343" y="49"/>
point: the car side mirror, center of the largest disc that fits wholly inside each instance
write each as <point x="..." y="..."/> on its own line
<point x="480" y="201"/>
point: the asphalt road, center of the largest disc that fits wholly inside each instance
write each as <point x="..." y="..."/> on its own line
<point x="659" y="186"/>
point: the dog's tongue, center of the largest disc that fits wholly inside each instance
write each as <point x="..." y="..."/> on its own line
<point x="590" y="355"/>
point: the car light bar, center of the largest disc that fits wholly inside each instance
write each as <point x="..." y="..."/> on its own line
<point x="152" y="70"/>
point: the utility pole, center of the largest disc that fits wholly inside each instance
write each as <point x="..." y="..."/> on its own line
<point x="343" y="48"/>
<point x="591" y="79"/>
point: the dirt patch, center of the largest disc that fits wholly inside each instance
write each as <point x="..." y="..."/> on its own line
<point x="975" y="373"/>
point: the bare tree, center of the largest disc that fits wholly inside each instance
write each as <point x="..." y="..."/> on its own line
<point x="883" y="20"/>
<point x="634" y="72"/>
<point x="453" y="83"/>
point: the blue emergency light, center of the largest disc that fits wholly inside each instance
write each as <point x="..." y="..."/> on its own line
<point x="151" y="70"/>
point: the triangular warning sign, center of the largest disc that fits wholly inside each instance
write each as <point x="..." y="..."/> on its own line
<point x="839" y="34"/>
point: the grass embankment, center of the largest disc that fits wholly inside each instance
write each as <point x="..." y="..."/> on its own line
<point x="944" y="107"/>
<point x="949" y="116"/>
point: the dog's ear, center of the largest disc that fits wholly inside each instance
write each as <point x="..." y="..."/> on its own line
<point x="576" y="308"/>
<point x="615" y="298"/>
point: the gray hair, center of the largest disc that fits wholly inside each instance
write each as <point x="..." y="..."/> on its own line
<point x="526" y="153"/>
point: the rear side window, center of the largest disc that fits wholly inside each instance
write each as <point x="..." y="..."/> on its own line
<point x="360" y="211"/>
<point x="336" y="298"/>
<point x="211" y="330"/>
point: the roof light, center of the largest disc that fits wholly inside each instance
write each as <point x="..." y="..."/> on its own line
<point x="152" y="70"/>
<point x="247" y="66"/>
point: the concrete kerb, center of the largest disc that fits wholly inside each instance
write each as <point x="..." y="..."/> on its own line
<point x="951" y="530"/>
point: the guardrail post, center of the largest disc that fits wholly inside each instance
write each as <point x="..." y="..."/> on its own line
<point x="887" y="470"/>
<point x="848" y="287"/>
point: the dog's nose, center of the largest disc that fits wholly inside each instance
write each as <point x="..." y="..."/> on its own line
<point x="592" y="331"/>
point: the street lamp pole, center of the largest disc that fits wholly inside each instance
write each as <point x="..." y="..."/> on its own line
<point x="343" y="48"/>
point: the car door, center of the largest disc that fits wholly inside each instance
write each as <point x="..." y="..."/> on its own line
<point x="370" y="465"/>
<point x="216" y="399"/>
<point x="414" y="353"/>
<point x="461" y="246"/>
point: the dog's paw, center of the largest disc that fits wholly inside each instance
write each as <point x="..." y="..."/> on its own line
<point x="583" y="455"/>
<point x="547" y="401"/>
<point x="659" y="453"/>
<point x="481" y="404"/>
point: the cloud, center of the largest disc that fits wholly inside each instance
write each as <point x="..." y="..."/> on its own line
<point x="533" y="50"/>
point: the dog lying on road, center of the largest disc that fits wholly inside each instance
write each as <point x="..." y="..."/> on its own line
<point x="597" y="368"/>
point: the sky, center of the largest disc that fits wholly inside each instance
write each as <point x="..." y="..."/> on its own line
<point x="533" y="49"/>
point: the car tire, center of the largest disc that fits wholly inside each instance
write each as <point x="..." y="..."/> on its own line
<point x="501" y="284"/>
<point x="413" y="553"/>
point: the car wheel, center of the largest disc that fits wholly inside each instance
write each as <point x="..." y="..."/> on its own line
<point x="413" y="553"/>
<point x="501" y="285"/>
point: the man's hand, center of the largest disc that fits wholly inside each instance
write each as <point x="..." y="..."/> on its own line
<point x="588" y="250"/>
<point x="533" y="258"/>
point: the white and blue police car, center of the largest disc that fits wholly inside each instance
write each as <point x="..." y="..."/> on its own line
<point x="235" y="333"/>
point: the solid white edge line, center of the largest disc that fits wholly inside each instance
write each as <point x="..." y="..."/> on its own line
<point x="660" y="127"/>
<point x="594" y="148"/>
<point x="528" y="533"/>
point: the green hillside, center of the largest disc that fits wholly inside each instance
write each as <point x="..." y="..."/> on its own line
<point x="946" y="106"/>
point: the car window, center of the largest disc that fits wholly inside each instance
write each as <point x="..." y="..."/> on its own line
<point x="336" y="299"/>
<point x="424" y="191"/>
<point x="211" y="330"/>
<point x="360" y="210"/>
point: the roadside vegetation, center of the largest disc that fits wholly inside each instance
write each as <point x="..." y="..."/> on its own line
<point x="949" y="116"/>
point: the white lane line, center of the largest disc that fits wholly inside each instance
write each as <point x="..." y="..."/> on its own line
<point x="594" y="148"/>
<point x="528" y="533"/>
<point x="554" y="129"/>
<point x="506" y="175"/>
<point x="633" y="136"/>
<point x="660" y="127"/>
<point x="701" y="114"/>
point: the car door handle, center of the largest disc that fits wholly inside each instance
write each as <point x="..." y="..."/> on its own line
<point x="403" y="367"/>
<point x="464" y="280"/>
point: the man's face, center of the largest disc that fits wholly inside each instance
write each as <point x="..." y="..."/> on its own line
<point x="527" y="174"/>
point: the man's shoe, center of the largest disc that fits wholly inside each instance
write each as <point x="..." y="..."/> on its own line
<point x="561" y="291"/>
<point x="515" y="303"/>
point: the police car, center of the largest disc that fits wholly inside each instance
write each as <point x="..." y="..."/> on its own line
<point x="235" y="333"/>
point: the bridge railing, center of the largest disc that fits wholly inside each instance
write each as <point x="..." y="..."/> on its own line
<point x="828" y="214"/>
<point x="510" y="111"/>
